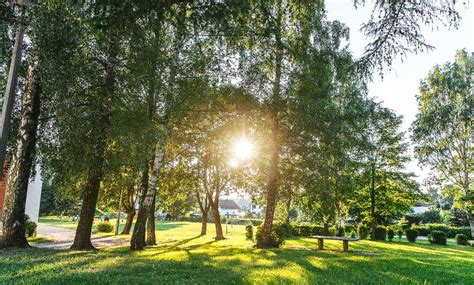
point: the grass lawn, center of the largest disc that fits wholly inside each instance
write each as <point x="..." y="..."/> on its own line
<point x="183" y="257"/>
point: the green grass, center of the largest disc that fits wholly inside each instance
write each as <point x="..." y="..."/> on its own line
<point x="37" y="240"/>
<point x="183" y="257"/>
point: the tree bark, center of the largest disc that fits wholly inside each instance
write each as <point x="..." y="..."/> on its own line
<point x="150" y="226"/>
<point x="128" y="222"/>
<point x="372" y="204"/>
<point x="272" y="184"/>
<point x="20" y="168"/>
<point x="119" y="214"/>
<point x="204" y="223"/>
<point x="99" y="133"/>
<point x="10" y="91"/>
<point x="138" y="236"/>
<point x="217" y="221"/>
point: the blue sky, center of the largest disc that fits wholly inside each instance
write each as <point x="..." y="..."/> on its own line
<point x="399" y="86"/>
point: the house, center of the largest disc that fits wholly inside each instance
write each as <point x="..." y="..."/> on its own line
<point x="33" y="196"/>
<point x="230" y="209"/>
<point x="420" y="208"/>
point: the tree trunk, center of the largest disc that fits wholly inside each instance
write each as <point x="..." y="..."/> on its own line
<point x="372" y="204"/>
<point x="150" y="226"/>
<point x="217" y="221"/>
<point x="20" y="169"/>
<point x="82" y="240"/>
<point x="99" y="133"/>
<point x="471" y="223"/>
<point x="128" y="223"/>
<point x="138" y="235"/>
<point x="10" y="91"/>
<point x="204" y="223"/>
<point x="272" y="184"/>
<point x="138" y="238"/>
<point x="119" y="214"/>
<point x="288" y="208"/>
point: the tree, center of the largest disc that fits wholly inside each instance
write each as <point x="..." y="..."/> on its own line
<point x="20" y="167"/>
<point x="384" y="183"/>
<point x="442" y="131"/>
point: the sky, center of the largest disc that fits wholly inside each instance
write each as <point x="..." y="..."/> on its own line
<point x="398" y="88"/>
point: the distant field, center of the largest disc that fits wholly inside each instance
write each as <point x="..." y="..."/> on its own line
<point x="183" y="257"/>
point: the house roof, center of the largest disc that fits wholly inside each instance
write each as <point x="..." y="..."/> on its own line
<point x="228" y="205"/>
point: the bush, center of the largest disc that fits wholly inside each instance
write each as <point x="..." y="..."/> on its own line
<point x="422" y="230"/>
<point x="411" y="234"/>
<point x="380" y="233"/>
<point x="430" y="216"/>
<point x="390" y="234"/>
<point x="456" y="217"/>
<point x="353" y="234"/>
<point x="276" y="237"/>
<point x="399" y="234"/>
<point x="340" y="232"/>
<point x="348" y="228"/>
<point x="363" y="231"/>
<point x="249" y="232"/>
<point x="307" y="230"/>
<point x="105" y="227"/>
<point x="461" y="239"/>
<point x="450" y="232"/>
<point x="437" y="237"/>
<point x="30" y="227"/>
<point x="245" y="221"/>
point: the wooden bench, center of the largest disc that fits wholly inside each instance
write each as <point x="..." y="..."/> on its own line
<point x="345" y="241"/>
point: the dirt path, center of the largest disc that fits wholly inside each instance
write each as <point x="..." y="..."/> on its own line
<point x="63" y="238"/>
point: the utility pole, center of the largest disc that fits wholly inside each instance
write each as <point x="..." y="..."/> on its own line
<point x="10" y="90"/>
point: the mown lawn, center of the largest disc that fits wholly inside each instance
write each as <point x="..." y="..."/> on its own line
<point x="183" y="257"/>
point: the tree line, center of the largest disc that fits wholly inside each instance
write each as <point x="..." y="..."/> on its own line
<point x="144" y="99"/>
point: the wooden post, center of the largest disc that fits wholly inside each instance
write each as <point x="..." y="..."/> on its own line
<point x="345" y="244"/>
<point x="320" y="243"/>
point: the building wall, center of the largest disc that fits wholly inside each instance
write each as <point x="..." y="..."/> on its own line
<point x="33" y="196"/>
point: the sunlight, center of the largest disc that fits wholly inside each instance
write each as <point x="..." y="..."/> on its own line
<point x="243" y="148"/>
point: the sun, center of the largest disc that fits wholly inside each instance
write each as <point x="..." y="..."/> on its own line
<point x="243" y="149"/>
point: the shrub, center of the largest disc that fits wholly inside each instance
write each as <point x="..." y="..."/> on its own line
<point x="422" y="230"/>
<point x="430" y="216"/>
<point x="390" y="234"/>
<point x="353" y="234"/>
<point x="245" y="221"/>
<point x="286" y="229"/>
<point x="437" y="237"/>
<point x="456" y="217"/>
<point x="318" y="230"/>
<point x="276" y="237"/>
<point x="363" y="231"/>
<point x="249" y="232"/>
<point x="399" y="234"/>
<point x="105" y="227"/>
<point x="380" y="233"/>
<point x="30" y="227"/>
<point x="411" y="234"/>
<point x="461" y="239"/>
<point x="340" y="232"/>
<point x="348" y="228"/>
<point x="450" y="232"/>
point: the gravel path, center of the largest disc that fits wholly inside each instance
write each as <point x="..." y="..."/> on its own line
<point x="63" y="238"/>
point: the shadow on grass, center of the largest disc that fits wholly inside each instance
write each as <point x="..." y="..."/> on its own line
<point x="190" y="261"/>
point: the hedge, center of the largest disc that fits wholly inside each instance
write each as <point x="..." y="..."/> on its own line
<point x="244" y="221"/>
<point x="450" y="232"/>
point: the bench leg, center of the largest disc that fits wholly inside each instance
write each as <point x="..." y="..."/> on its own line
<point x="320" y="243"/>
<point x="345" y="244"/>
